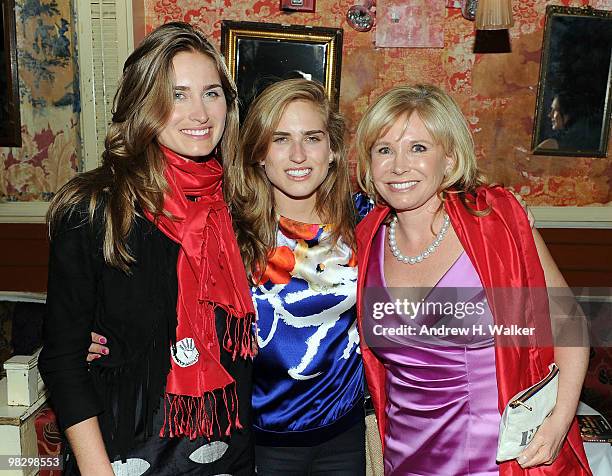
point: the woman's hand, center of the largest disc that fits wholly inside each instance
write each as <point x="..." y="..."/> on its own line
<point x="97" y="348"/>
<point x="572" y="363"/>
<point x="546" y="443"/>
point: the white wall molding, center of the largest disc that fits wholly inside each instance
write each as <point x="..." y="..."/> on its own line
<point x="23" y="212"/>
<point x="573" y="217"/>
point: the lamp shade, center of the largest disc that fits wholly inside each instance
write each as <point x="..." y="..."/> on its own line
<point x="494" y="15"/>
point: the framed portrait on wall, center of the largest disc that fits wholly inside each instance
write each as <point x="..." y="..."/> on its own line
<point x="259" y="54"/>
<point x="573" y="104"/>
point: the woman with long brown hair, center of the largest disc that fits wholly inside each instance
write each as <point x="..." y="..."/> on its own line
<point x="289" y="193"/>
<point x="143" y="252"/>
<point x="294" y="218"/>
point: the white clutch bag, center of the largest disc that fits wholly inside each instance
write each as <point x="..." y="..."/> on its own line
<point x="525" y="413"/>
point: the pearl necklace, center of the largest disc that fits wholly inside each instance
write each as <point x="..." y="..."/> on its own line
<point x="425" y="254"/>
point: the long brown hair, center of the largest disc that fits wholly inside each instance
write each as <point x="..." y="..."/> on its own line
<point x="443" y="120"/>
<point x="132" y="170"/>
<point x="249" y="191"/>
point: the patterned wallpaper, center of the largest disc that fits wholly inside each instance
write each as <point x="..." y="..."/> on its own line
<point x="49" y="103"/>
<point x="497" y="92"/>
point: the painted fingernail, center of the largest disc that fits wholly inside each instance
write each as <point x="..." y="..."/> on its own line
<point x="102" y="340"/>
<point x="105" y="351"/>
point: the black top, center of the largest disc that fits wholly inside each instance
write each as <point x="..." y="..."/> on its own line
<point x="135" y="311"/>
<point x="137" y="314"/>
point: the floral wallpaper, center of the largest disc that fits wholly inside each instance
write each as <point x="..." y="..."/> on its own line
<point x="49" y="103"/>
<point x="497" y="92"/>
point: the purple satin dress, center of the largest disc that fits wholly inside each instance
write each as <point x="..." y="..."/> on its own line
<point x="442" y="399"/>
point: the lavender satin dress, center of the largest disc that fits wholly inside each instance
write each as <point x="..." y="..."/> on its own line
<point x="442" y="400"/>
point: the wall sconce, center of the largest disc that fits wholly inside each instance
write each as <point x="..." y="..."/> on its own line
<point x="468" y="9"/>
<point x="494" y="15"/>
<point x="361" y="16"/>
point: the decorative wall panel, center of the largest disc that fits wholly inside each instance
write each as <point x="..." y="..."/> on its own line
<point x="48" y="88"/>
<point x="497" y="92"/>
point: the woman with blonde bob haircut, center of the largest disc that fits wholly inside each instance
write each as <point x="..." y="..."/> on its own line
<point x="437" y="225"/>
<point x="443" y="120"/>
<point x="294" y="218"/>
<point x="143" y="253"/>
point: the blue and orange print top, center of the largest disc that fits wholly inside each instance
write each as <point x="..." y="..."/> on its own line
<point x="308" y="375"/>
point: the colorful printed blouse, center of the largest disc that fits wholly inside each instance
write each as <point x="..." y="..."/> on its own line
<point x="308" y="375"/>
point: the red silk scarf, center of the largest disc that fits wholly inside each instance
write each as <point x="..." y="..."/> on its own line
<point x="210" y="274"/>
<point x="502" y="249"/>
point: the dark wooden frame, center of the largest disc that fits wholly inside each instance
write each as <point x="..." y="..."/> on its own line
<point x="232" y="32"/>
<point x="10" y="134"/>
<point x="545" y="89"/>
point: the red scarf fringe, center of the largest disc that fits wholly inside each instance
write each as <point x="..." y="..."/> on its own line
<point x="195" y="417"/>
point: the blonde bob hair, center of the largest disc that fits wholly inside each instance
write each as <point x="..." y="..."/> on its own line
<point x="249" y="191"/>
<point x="443" y="120"/>
<point x="131" y="176"/>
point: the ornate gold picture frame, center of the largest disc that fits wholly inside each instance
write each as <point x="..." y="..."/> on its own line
<point x="259" y="54"/>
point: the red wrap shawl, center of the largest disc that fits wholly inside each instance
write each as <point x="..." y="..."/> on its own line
<point x="502" y="249"/>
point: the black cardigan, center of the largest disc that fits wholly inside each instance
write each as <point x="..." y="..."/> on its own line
<point x="135" y="311"/>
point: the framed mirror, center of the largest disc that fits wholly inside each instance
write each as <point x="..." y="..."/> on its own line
<point x="259" y="54"/>
<point x="10" y="120"/>
<point x="573" y="103"/>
